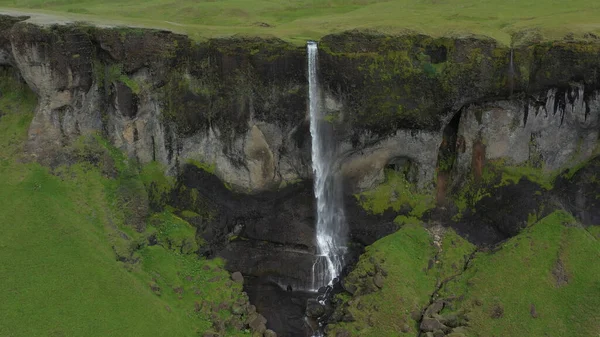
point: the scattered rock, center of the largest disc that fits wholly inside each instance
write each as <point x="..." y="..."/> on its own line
<point x="168" y="308"/>
<point x="415" y="315"/>
<point x="258" y="324"/>
<point x="343" y="333"/>
<point x="432" y="324"/>
<point x="533" y="312"/>
<point x="497" y="311"/>
<point x="451" y="320"/>
<point x="270" y="333"/>
<point x="237" y="309"/>
<point x="314" y="309"/>
<point x="155" y="288"/>
<point x="405" y="328"/>
<point x="237" y="277"/>
<point x="349" y="287"/>
<point x="378" y="280"/>
<point x="560" y="273"/>
<point x="434" y="308"/>
<point x="438" y="333"/>
<point x="456" y="334"/>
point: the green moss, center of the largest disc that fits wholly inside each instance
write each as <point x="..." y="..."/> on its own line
<point x="394" y="193"/>
<point x="210" y="168"/>
<point x="405" y="257"/>
<point x="174" y="233"/>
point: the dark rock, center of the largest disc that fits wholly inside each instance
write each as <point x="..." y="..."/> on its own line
<point x="452" y="320"/>
<point x="432" y="324"/>
<point x="237" y="277"/>
<point x="378" y="280"/>
<point x="237" y="309"/>
<point x="559" y="272"/>
<point x="343" y="333"/>
<point x="438" y="333"/>
<point x="533" y="311"/>
<point x="258" y="324"/>
<point x="314" y="309"/>
<point x="434" y="308"/>
<point x="349" y="287"/>
<point x="270" y="333"/>
<point x="497" y="311"/>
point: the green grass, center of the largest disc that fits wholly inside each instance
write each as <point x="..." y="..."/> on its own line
<point x="299" y="20"/>
<point x="408" y="258"/>
<point x="520" y="274"/>
<point x="394" y="193"/>
<point x="514" y="276"/>
<point x="62" y="235"/>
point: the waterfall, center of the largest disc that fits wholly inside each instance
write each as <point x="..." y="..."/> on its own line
<point x="331" y="222"/>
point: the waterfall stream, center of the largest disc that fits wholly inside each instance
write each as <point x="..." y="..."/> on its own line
<point x="331" y="223"/>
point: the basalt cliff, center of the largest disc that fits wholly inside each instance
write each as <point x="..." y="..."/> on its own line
<point x="229" y="119"/>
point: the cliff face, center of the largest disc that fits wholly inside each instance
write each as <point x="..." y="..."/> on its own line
<point x="239" y="105"/>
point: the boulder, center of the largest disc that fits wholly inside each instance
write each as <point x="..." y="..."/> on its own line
<point x="431" y="324"/>
<point x="378" y="280"/>
<point x="434" y="308"/>
<point x="270" y="333"/>
<point x="237" y="277"/>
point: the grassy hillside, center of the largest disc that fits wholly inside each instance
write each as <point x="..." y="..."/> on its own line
<point x="71" y="263"/>
<point x="542" y="282"/>
<point x="298" y="20"/>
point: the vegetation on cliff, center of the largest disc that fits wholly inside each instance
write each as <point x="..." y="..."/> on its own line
<point x="78" y="256"/>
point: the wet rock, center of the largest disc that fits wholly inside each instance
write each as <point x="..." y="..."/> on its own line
<point x="438" y="333"/>
<point x="432" y="324"/>
<point x="314" y="309"/>
<point x="270" y="333"/>
<point x="237" y="277"/>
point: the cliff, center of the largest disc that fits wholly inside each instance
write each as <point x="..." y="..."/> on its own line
<point x="239" y="105"/>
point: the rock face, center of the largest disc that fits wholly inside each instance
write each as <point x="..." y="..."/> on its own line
<point x="239" y="105"/>
<point x="552" y="130"/>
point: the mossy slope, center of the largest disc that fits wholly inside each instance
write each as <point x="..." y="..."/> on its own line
<point x="76" y="256"/>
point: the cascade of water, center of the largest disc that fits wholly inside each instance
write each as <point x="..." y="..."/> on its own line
<point x="331" y="225"/>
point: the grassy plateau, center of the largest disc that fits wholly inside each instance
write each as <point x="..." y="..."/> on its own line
<point x="299" y="20"/>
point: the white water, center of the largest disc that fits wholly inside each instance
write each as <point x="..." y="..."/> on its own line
<point x="331" y="223"/>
